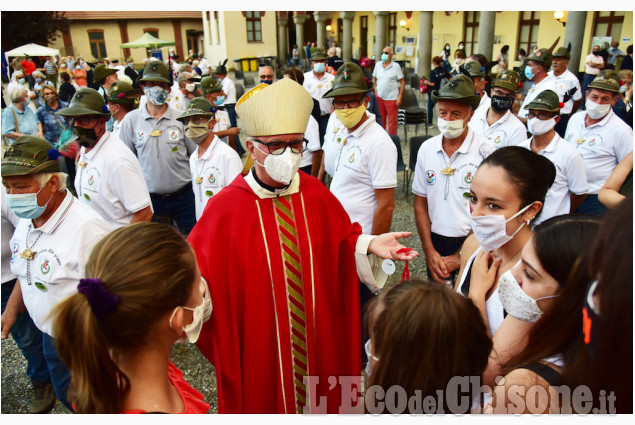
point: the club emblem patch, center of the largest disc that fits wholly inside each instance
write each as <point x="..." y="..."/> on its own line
<point x="431" y="177"/>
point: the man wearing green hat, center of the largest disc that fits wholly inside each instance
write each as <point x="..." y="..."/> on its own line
<point x="213" y="164"/>
<point x="600" y="135"/>
<point x="121" y="98"/>
<point x="477" y="73"/>
<point x="213" y="91"/>
<point x="50" y="245"/>
<point x="389" y="86"/>
<point x="104" y="78"/>
<point x="570" y="186"/>
<point x="497" y="123"/>
<point x="359" y="155"/>
<point x="317" y="82"/>
<point x="536" y="70"/>
<point x="155" y="135"/>
<point x="568" y="88"/>
<point x="445" y="166"/>
<point x="108" y="177"/>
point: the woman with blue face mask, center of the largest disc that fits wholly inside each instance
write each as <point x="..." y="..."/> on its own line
<point x="18" y="119"/>
<point x="142" y="293"/>
<point x="506" y="195"/>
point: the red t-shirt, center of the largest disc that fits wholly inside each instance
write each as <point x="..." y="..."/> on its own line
<point x="29" y="67"/>
<point x="192" y="399"/>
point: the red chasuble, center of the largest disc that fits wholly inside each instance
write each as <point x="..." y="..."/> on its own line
<point x="284" y="287"/>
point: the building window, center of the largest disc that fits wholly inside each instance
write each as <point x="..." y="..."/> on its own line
<point x="363" y="39"/>
<point x="392" y="30"/>
<point x="254" y="26"/>
<point x="192" y="36"/>
<point x="608" y="24"/>
<point x="217" y="27"/>
<point x="97" y="43"/>
<point x="470" y="32"/>
<point x="528" y="31"/>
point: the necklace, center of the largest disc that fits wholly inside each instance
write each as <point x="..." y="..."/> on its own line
<point x="28" y="254"/>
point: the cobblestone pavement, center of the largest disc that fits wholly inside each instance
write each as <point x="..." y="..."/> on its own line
<point x="196" y="369"/>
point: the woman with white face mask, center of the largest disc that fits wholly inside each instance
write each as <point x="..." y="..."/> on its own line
<point x="507" y="194"/>
<point x="142" y="293"/>
<point x="547" y="288"/>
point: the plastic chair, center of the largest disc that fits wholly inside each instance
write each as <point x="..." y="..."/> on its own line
<point x="401" y="166"/>
<point x="411" y="113"/>
<point x="415" y="144"/>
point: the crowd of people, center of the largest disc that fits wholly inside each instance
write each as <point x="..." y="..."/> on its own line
<point x="134" y="218"/>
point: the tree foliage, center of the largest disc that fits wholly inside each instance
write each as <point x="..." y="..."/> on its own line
<point x="40" y="27"/>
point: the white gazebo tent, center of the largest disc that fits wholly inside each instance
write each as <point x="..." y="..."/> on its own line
<point x="32" y="49"/>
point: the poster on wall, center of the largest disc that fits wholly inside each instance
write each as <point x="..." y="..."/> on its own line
<point x="599" y="41"/>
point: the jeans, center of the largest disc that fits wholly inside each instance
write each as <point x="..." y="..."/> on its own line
<point x="28" y="338"/>
<point x="60" y="375"/>
<point x="322" y="123"/>
<point x="561" y="127"/>
<point x="177" y="210"/>
<point x="592" y="205"/>
<point x="233" y="121"/>
<point x="430" y="109"/>
<point x="388" y="110"/>
<point x="588" y="78"/>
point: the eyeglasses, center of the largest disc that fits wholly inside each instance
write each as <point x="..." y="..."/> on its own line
<point x="354" y="103"/>
<point x="278" y="147"/>
<point x="196" y="119"/>
<point x="541" y="117"/>
<point x="387" y="53"/>
<point x="266" y="77"/>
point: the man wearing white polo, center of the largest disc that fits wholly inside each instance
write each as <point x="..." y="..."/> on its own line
<point x="389" y="86"/>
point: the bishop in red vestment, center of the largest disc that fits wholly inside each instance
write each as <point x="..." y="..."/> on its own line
<point x="282" y="261"/>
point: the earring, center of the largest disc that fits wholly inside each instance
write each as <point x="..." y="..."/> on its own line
<point x="528" y="221"/>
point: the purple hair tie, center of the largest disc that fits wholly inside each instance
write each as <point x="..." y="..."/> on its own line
<point x="102" y="301"/>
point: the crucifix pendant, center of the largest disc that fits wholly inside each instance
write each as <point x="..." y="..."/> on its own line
<point x="448" y="171"/>
<point x="27" y="254"/>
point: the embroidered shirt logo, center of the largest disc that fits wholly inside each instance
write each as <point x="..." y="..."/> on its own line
<point x="431" y="177"/>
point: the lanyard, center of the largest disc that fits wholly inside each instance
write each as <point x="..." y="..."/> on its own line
<point x="406" y="272"/>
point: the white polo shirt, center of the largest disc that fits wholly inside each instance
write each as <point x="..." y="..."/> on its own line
<point x="565" y="82"/>
<point x="214" y="170"/>
<point x="548" y="83"/>
<point x="62" y="246"/>
<point x="388" y="80"/>
<point x="110" y="180"/>
<point x="317" y="88"/>
<point x="222" y="123"/>
<point x="507" y="131"/>
<point x="446" y="203"/>
<point x="593" y="59"/>
<point x="483" y="105"/>
<point x="229" y="88"/>
<point x="602" y="145"/>
<point x="359" y="163"/>
<point x="312" y="134"/>
<point x="570" y="177"/>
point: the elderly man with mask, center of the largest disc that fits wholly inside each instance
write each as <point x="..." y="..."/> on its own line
<point x="50" y="245"/>
<point x="568" y="88"/>
<point x="212" y="90"/>
<point x="600" y="135"/>
<point x="121" y="98"/>
<point x="537" y="69"/>
<point x="155" y="135"/>
<point x="295" y="303"/>
<point x="389" y="86"/>
<point x="109" y="177"/>
<point x="317" y="82"/>
<point x="445" y="167"/>
<point x="181" y="97"/>
<point x="47" y="114"/>
<point x="213" y="164"/>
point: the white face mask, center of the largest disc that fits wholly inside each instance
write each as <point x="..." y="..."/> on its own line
<point x="190" y="87"/>
<point x="490" y="230"/>
<point x="597" y="111"/>
<point x="281" y="168"/>
<point x="200" y="314"/>
<point x="516" y="302"/>
<point x="451" y="129"/>
<point x="538" y="127"/>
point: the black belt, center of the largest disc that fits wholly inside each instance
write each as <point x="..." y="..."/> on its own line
<point x="231" y="105"/>
<point x="181" y="191"/>
<point x="325" y="116"/>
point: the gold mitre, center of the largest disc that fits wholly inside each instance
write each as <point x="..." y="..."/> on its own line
<point x="283" y="107"/>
